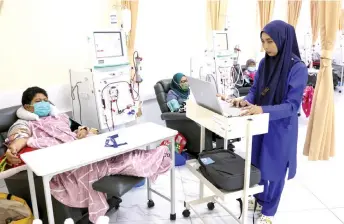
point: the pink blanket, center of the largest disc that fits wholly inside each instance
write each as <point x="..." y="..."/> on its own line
<point x="74" y="188"/>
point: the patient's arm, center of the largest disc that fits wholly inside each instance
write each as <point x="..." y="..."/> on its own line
<point x="17" y="145"/>
<point x="17" y="136"/>
<point x="16" y="140"/>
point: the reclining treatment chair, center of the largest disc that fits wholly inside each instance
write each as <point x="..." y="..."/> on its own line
<point x="179" y="122"/>
<point x="114" y="186"/>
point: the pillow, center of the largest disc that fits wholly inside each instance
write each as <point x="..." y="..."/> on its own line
<point x="28" y="116"/>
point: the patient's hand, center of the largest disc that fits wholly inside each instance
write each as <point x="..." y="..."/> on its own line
<point x="82" y="133"/>
<point x="17" y="145"/>
<point x="12" y="158"/>
<point x="93" y="131"/>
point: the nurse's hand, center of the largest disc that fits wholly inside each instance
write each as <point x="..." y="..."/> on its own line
<point x="239" y="102"/>
<point x="251" y="110"/>
<point x="223" y="97"/>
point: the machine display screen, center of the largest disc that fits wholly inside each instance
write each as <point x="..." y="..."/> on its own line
<point x="108" y="44"/>
<point x="221" y="41"/>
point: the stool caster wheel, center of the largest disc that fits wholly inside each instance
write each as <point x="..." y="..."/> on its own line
<point x="150" y="204"/>
<point x="186" y="213"/>
<point x="211" y="206"/>
<point x="173" y="217"/>
<point x="298" y="114"/>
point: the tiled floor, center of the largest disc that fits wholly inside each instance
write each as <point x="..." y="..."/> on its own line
<point x="314" y="196"/>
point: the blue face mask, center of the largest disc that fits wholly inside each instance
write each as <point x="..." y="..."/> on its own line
<point x="42" y="109"/>
<point x="251" y="69"/>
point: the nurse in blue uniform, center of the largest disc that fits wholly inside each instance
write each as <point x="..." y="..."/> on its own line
<point x="277" y="90"/>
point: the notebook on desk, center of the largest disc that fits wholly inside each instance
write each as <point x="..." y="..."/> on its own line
<point x="205" y="96"/>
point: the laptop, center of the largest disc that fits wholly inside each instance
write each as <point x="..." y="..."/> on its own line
<point x="205" y="96"/>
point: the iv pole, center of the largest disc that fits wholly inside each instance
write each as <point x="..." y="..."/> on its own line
<point x="341" y="60"/>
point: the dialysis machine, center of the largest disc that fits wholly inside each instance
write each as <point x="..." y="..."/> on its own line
<point x="306" y="54"/>
<point x="220" y="65"/>
<point x="104" y="96"/>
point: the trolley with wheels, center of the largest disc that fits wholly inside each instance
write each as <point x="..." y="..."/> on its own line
<point x="228" y="128"/>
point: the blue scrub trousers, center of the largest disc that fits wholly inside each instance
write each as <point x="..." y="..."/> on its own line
<point x="269" y="199"/>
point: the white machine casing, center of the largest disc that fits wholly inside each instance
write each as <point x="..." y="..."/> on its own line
<point x="221" y="45"/>
<point x="108" y="82"/>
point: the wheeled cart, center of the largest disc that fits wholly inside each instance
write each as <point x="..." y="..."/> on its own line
<point x="228" y="128"/>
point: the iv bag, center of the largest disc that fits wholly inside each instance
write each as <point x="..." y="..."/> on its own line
<point x="113" y="18"/>
<point x="126" y="20"/>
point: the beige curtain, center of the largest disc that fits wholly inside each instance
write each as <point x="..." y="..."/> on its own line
<point x="320" y="142"/>
<point x="294" y="8"/>
<point x="266" y="9"/>
<point x="216" y="16"/>
<point x="341" y="20"/>
<point x="314" y="20"/>
<point x="133" y="6"/>
<point x="217" y="11"/>
<point x="1" y="3"/>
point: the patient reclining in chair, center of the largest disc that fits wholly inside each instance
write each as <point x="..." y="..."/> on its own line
<point x="40" y="126"/>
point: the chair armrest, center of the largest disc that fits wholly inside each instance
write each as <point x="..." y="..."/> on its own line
<point x="174" y="116"/>
<point x="74" y="125"/>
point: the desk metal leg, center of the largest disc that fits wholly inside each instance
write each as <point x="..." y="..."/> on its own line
<point x="33" y="193"/>
<point x="149" y="187"/>
<point x="225" y="146"/>
<point x="48" y="202"/>
<point x="173" y="186"/>
<point x="202" y="147"/>
<point x="341" y="79"/>
<point x="247" y="170"/>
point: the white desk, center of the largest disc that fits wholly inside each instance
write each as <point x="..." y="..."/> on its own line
<point x="228" y="128"/>
<point x="57" y="159"/>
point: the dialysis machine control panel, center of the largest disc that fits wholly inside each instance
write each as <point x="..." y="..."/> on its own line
<point x="103" y="96"/>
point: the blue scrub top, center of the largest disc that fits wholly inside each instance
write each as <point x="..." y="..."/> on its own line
<point x="273" y="153"/>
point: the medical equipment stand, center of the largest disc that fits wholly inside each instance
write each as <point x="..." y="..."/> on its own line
<point x="228" y="128"/>
<point x="341" y="62"/>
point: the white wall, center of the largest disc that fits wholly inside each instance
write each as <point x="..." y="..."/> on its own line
<point x="168" y="37"/>
<point x="42" y="39"/>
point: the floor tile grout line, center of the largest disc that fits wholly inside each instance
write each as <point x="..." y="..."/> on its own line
<point x="190" y="218"/>
<point x="303" y="210"/>
<point x="329" y="209"/>
<point x="182" y="182"/>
